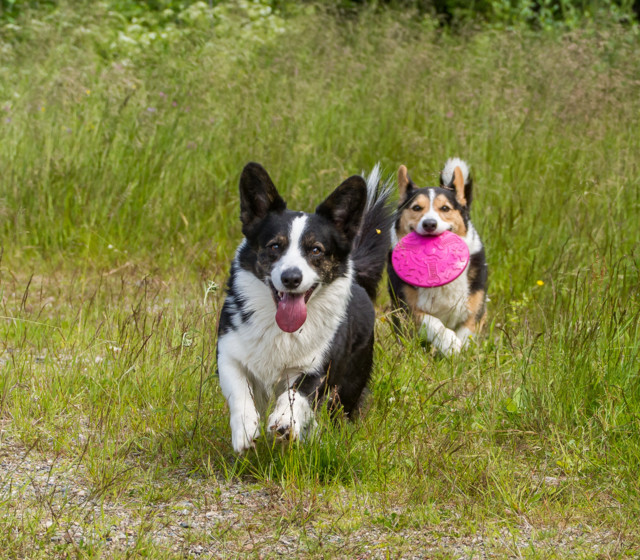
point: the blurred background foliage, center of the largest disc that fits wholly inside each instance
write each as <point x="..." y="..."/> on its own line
<point x="160" y="16"/>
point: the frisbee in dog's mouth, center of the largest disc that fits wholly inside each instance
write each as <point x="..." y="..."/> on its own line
<point x="291" y="312"/>
<point x="428" y="261"/>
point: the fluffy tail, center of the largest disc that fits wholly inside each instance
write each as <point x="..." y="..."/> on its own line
<point x="371" y="244"/>
<point x="446" y="177"/>
<point x="447" y="173"/>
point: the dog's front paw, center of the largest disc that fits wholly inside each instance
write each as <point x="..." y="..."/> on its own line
<point x="245" y="428"/>
<point x="291" y="417"/>
<point x="448" y="343"/>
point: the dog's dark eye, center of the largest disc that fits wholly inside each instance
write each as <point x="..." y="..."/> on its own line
<point x="273" y="247"/>
<point x="416" y="208"/>
<point x="445" y="209"/>
<point x="316" y="250"/>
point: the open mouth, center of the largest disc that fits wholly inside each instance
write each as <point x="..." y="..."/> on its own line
<point x="291" y="309"/>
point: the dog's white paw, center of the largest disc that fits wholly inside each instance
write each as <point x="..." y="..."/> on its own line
<point x="291" y="416"/>
<point x="245" y="428"/>
<point x="448" y="343"/>
<point x="441" y="337"/>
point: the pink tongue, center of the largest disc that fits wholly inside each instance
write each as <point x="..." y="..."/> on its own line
<point x="292" y="312"/>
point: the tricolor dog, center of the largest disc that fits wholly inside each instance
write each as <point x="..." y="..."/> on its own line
<point x="298" y="320"/>
<point x="446" y="316"/>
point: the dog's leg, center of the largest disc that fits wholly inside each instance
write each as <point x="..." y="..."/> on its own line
<point x="291" y="415"/>
<point x="466" y="335"/>
<point x="476" y="304"/>
<point x="245" y="420"/>
<point x="441" y="337"/>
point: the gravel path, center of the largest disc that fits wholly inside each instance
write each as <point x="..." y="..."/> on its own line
<point x="46" y="503"/>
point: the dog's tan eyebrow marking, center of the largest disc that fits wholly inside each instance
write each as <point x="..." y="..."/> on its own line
<point x="420" y="200"/>
<point x="279" y="239"/>
<point x="409" y="218"/>
<point x="452" y="217"/>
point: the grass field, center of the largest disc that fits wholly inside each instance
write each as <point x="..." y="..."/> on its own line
<point x="119" y="163"/>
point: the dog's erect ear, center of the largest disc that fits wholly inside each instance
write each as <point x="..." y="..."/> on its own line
<point x="345" y="205"/>
<point x="258" y="196"/>
<point x="457" y="185"/>
<point x="405" y="185"/>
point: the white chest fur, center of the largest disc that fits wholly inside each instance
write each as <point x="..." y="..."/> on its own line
<point x="268" y="354"/>
<point x="448" y="303"/>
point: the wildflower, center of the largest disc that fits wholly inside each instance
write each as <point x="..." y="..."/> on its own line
<point x="151" y="109"/>
<point x="42" y="108"/>
<point x="378" y="231"/>
<point x="87" y="91"/>
<point x="540" y="282"/>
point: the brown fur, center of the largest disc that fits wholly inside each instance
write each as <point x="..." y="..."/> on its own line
<point x="410" y="296"/>
<point x="476" y="305"/>
<point x="449" y="212"/>
<point x="410" y="218"/>
<point x="458" y="185"/>
<point x="452" y="217"/>
<point x="403" y="182"/>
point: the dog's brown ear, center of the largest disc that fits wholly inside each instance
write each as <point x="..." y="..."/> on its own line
<point x="258" y="196"/>
<point x="458" y="185"/>
<point x="345" y="206"/>
<point x="405" y="185"/>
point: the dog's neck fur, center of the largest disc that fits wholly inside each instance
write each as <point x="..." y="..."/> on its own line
<point x="287" y="354"/>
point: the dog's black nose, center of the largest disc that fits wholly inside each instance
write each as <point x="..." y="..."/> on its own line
<point x="429" y="225"/>
<point x="291" y="278"/>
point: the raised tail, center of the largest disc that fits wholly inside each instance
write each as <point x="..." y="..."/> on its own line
<point x="371" y="244"/>
<point x="447" y="179"/>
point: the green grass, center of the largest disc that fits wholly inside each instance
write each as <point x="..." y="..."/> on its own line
<point x="118" y="208"/>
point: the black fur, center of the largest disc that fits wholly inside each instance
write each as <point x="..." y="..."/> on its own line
<point x="352" y="228"/>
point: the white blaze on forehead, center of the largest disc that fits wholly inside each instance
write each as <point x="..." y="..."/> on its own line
<point x="294" y="258"/>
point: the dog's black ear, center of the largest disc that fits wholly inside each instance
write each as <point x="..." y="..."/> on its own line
<point x="405" y="184"/>
<point x="345" y="205"/>
<point x="258" y="196"/>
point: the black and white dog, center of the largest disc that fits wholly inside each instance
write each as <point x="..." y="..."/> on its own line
<point x="297" y="324"/>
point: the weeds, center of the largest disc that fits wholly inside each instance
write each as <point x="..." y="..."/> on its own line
<point x="119" y="219"/>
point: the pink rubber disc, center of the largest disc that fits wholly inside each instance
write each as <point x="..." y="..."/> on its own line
<point x="427" y="261"/>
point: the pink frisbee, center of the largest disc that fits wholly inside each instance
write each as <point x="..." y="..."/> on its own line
<point x="428" y="262"/>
